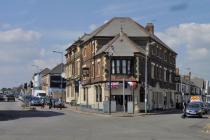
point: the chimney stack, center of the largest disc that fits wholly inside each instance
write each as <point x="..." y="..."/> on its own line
<point x="150" y="28"/>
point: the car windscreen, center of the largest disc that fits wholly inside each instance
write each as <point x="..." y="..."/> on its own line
<point x="194" y="105"/>
<point x="42" y="94"/>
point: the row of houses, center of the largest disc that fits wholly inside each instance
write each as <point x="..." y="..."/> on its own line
<point x="122" y="63"/>
<point x="187" y="86"/>
<point x="51" y="81"/>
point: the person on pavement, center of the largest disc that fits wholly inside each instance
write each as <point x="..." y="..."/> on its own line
<point x="60" y="102"/>
<point x="184" y="109"/>
<point x="42" y="103"/>
<point x="50" y="103"/>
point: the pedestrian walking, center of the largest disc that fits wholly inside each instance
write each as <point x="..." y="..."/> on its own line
<point x="53" y="101"/>
<point x="50" y="103"/>
<point x="42" y="103"/>
<point x="60" y="102"/>
<point x="184" y="110"/>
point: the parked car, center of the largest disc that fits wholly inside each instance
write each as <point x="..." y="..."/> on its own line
<point x="204" y="107"/>
<point x="16" y="95"/>
<point x="194" y="109"/>
<point x="1" y="97"/>
<point x="208" y="106"/>
<point x="35" y="101"/>
<point x="10" y="97"/>
<point x="58" y="103"/>
<point x="27" y="99"/>
<point x="47" y="100"/>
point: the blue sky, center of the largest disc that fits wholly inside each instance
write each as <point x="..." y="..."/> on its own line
<point x="31" y="29"/>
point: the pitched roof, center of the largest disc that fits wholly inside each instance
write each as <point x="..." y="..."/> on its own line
<point x="57" y="69"/>
<point x="82" y="38"/>
<point x="45" y="71"/>
<point x="121" y="46"/>
<point x="199" y="82"/>
<point x="130" y="27"/>
<point x="113" y="27"/>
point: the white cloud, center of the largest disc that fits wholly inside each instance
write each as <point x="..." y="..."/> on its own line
<point x="18" y="47"/>
<point x="4" y="25"/>
<point x="18" y="35"/>
<point x="42" y="52"/>
<point x="199" y="54"/>
<point x="191" y="41"/>
<point x="62" y="34"/>
<point x="193" y="36"/>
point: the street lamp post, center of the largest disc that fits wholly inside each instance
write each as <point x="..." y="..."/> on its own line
<point x="37" y="81"/>
<point x="110" y="84"/>
<point x="189" y="82"/>
<point x="145" y="97"/>
<point x="146" y="74"/>
<point x="61" y="53"/>
<point x="110" y="53"/>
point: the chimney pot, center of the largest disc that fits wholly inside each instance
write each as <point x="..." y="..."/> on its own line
<point x="150" y="28"/>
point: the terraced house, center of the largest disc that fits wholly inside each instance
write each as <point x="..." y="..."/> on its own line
<point x="119" y="48"/>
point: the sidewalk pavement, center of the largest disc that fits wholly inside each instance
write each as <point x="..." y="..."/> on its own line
<point x="87" y="111"/>
<point x="207" y="128"/>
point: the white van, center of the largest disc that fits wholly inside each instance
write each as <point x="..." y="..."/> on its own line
<point x="39" y="93"/>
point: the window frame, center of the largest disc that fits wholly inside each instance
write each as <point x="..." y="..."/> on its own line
<point x="122" y="66"/>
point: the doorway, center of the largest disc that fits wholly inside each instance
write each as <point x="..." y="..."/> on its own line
<point x="119" y="102"/>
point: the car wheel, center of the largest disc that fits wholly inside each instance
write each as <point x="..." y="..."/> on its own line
<point x="200" y="116"/>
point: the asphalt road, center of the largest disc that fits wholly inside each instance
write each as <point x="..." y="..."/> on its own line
<point x="17" y="124"/>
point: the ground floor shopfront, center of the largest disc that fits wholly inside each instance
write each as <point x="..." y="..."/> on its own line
<point x="94" y="97"/>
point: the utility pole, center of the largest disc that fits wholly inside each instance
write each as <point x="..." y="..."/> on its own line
<point x="110" y="53"/>
<point x="110" y="84"/>
<point x="146" y="73"/>
<point x="124" y="95"/>
<point x="145" y="97"/>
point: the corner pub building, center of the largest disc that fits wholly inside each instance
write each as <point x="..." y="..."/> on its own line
<point x="121" y="42"/>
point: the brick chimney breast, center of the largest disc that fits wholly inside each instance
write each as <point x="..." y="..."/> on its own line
<point x="150" y="28"/>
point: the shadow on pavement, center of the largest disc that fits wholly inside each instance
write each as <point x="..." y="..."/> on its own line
<point x="6" y="115"/>
<point x="204" y="117"/>
<point x="166" y="112"/>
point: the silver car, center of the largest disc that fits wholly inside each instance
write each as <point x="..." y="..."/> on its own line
<point x="194" y="110"/>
